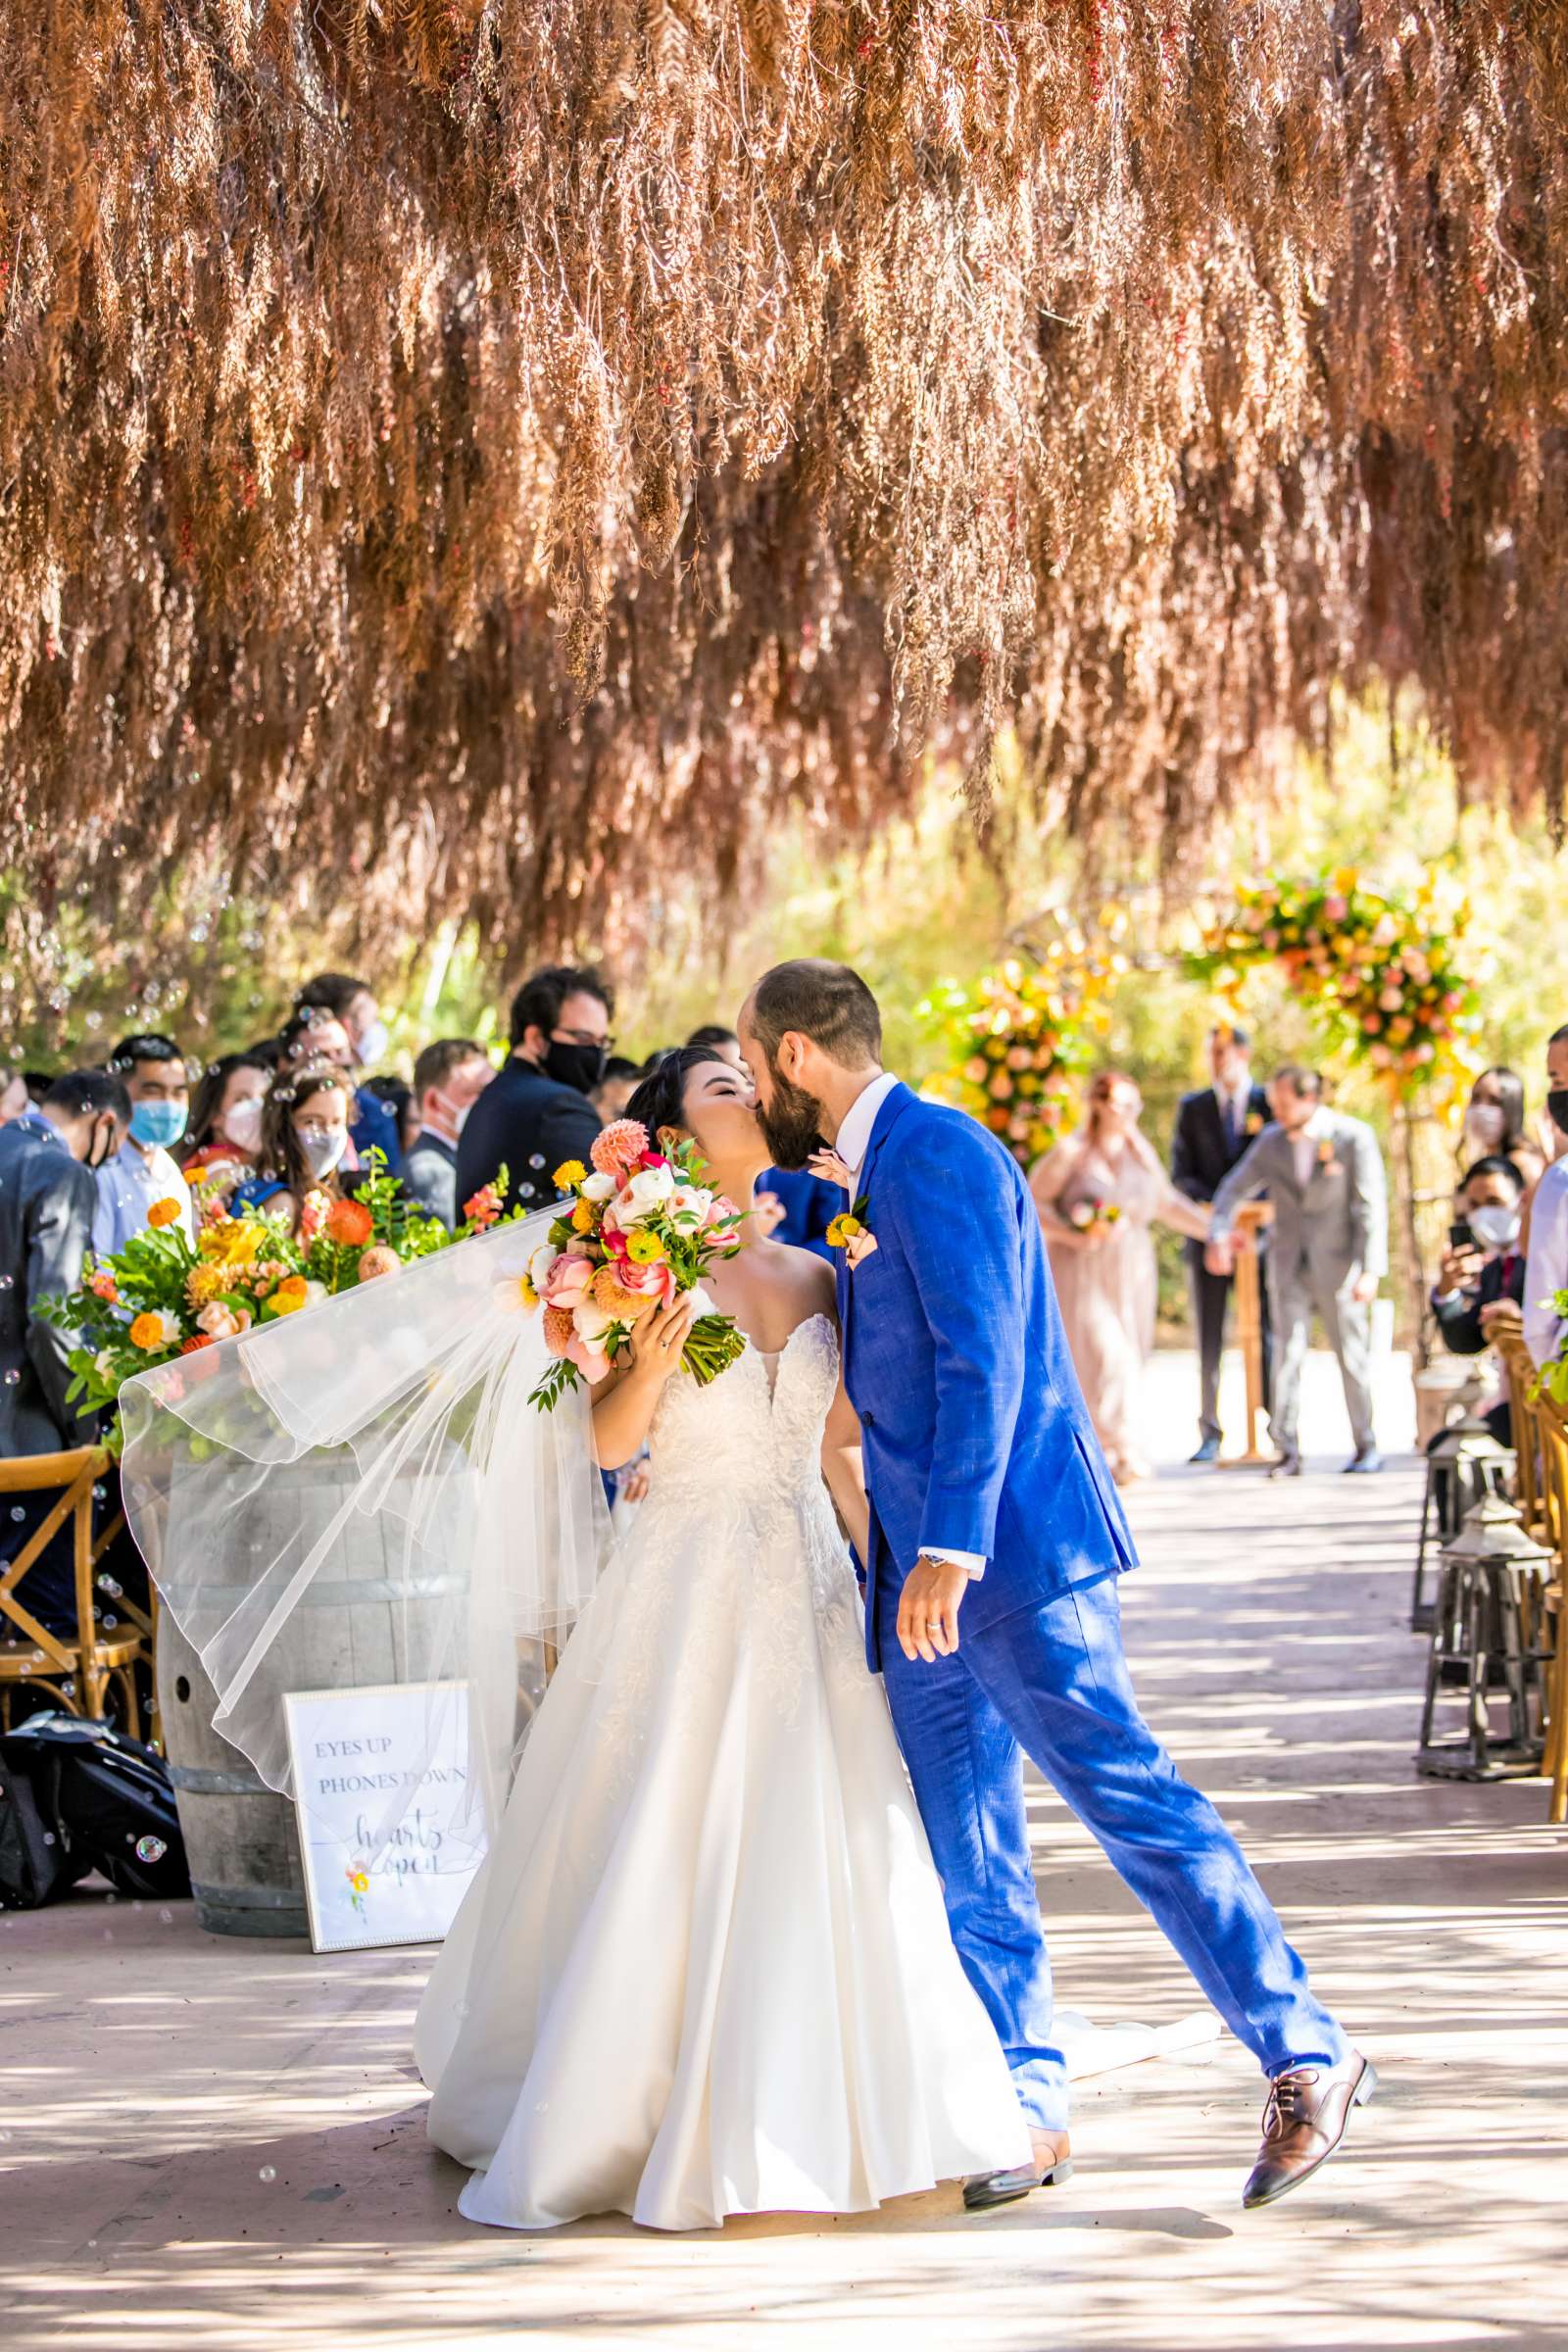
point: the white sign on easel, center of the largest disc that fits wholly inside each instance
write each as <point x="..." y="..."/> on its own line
<point x="356" y="1756"/>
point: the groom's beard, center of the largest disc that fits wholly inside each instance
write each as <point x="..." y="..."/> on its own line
<point x="792" y="1123"/>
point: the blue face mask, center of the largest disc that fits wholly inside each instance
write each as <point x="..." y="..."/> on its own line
<point x="158" y="1124"/>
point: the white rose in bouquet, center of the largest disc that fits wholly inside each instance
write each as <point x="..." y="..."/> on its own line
<point x="648" y="1191"/>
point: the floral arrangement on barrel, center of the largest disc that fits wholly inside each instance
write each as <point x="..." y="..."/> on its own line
<point x="1385" y="968"/>
<point x="160" y="1298"/>
<point x="640" y="1228"/>
<point x="1021" y="1035"/>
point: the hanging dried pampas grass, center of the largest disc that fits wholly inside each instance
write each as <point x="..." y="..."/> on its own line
<point x="433" y="436"/>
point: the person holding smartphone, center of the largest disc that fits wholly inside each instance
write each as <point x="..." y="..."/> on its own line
<point x="1480" y="1282"/>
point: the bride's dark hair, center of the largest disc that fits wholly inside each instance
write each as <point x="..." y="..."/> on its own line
<point x="661" y="1100"/>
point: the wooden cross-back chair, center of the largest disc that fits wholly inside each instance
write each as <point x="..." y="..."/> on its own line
<point x="75" y="1669"/>
<point x="1552" y="1426"/>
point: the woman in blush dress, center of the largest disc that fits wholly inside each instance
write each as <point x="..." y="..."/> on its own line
<point x="1097" y="1193"/>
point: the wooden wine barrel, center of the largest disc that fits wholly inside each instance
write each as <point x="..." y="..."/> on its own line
<point x="356" y="1625"/>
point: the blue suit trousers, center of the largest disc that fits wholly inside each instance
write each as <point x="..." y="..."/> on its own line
<point x="1051" y="1682"/>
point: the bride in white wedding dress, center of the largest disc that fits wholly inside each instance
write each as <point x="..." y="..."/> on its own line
<point x="705" y="1967"/>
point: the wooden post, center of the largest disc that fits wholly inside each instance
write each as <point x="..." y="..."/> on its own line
<point x="1250" y="1219"/>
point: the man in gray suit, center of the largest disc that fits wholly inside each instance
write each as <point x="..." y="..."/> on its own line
<point x="47" y="1198"/>
<point x="1328" y="1249"/>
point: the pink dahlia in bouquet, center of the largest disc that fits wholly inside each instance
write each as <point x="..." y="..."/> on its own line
<point x="640" y="1226"/>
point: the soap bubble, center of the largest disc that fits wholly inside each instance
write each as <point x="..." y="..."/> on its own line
<point x="269" y="2172"/>
<point x="17" y="1513"/>
<point x="151" y="1850"/>
<point x="536" y="1159"/>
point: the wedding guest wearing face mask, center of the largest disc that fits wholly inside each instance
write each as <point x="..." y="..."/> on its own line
<point x="1546" y="1257"/>
<point x="1480" y="1282"/>
<point x="144" y="1169"/>
<point x="537" y="1114"/>
<point x="305" y="1137"/>
<point x="449" y="1078"/>
<point x="48" y="1200"/>
<point x="352" y="1004"/>
<point x="224" y="1139"/>
<point x="1494" y="1125"/>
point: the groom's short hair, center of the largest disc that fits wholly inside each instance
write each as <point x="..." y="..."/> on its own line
<point x="824" y="1002"/>
<point x="1309" y="1084"/>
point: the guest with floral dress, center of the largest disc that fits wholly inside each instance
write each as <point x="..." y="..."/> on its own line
<point x="1097" y="1193"/>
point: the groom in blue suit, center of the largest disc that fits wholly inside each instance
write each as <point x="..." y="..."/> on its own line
<point x="990" y="1502"/>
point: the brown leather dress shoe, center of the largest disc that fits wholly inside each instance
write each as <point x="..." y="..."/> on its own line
<point x="1303" y="2122"/>
<point x="1052" y="2163"/>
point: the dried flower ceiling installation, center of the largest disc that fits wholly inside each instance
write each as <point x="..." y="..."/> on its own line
<point x="488" y="459"/>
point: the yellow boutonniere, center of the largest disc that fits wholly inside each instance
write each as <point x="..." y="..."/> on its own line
<point x="1325" y="1152"/>
<point x="850" y="1233"/>
<point x="1254" y="1122"/>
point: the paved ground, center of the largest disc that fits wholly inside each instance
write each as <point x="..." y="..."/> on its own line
<point x="219" y="2145"/>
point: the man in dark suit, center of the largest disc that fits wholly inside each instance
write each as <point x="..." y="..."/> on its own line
<point x="1480" y="1282"/>
<point x="535" y="1115"/>
<point x="48" y="1197"/>
<point x="1213" y="1128"/>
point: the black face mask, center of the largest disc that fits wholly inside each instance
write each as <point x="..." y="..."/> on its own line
<point x="1557" y="1105"/>
<point x="95" y="1159"/>
<point x="581" y="1066"/>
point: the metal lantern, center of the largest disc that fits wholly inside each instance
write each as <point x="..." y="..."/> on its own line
<point x="1487" y="1631"/>
<point x="1465" y="1462"/>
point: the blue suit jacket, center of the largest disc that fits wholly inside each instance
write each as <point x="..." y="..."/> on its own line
<point x="975" y="1431"/>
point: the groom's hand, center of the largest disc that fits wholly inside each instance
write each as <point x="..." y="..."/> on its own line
<point x="928" y="1609"/>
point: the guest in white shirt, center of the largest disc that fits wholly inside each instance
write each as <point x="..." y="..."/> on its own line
<point x="143" y="1170"/>
<point x="1546" y="1264"/>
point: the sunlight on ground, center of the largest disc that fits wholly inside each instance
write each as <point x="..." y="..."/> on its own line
<point x="221" y="2144"/>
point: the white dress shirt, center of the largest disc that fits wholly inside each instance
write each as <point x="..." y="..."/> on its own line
<point x="855" y="1128"/>
<point x="1547" y="1266"/>
<point x="128" y="1186"/>
<point x="853" y="1142"/>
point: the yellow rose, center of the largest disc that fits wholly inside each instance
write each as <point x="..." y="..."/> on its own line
<point x="290" y="1295"/>
<point x="569" y="1175"/>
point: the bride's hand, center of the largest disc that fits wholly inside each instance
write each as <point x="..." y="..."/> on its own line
<point x="657" y="1340"/>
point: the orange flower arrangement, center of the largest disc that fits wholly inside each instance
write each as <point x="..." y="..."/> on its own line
<point x="349" y="1222"/>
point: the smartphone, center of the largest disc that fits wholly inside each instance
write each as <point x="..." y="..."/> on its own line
<point x="1460" y="1236"/>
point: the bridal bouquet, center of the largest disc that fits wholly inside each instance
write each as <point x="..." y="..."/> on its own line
<point x="638" y="1228"/>
<point x="1094" y="1216"/>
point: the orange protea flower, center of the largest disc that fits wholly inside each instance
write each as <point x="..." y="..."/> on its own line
<point x="351" y="1223"/>
<point x="607" y="1294"/>
<point x="198" y="1339"/>
<point x="559" y="1330"/>
<point x="162" y="1212"/>
<point x="618" y="1147"/>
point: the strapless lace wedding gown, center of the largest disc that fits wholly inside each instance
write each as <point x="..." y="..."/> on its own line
<point x="705" y="1968"/>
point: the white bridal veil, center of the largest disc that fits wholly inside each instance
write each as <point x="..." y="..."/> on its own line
<point x="363" y="1493"/>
